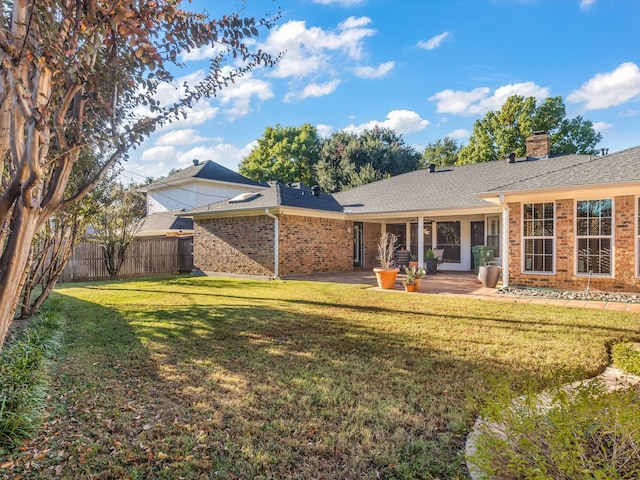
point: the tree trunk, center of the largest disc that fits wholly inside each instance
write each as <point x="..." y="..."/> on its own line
<point x="13" y="263"/>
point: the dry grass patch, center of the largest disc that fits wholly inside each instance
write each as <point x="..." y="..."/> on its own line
<point x="208" y="378"/>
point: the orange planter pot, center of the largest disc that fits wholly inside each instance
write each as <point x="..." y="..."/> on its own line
<point x="386" y="277"/>
<point x="410" y="287"/>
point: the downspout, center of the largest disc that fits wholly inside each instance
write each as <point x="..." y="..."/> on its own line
<point x="276" y="243"/>
<point x="505" y="241"/>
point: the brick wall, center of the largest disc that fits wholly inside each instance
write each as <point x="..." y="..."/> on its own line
<point x="244" y="245"/>
<point x="564" y="278"/>
<point x="310" y="245"/>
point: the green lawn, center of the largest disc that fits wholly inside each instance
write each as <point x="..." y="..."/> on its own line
<point x="209" y="378"/>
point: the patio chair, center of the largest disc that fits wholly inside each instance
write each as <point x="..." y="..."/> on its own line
<point x="402" y="258"/>
<point x="439" y="253"/>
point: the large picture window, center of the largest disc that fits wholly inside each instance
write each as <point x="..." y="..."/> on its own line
<point x="539" y="237"/>
<point x="594" y="234"/>
<point x="448" y="238"/>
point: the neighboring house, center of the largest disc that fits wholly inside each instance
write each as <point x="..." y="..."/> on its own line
<point x="556" y="221"/>
<point x="200" y="184"/>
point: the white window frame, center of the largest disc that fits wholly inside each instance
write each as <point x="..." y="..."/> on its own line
<point x="578" y="237"/>
<point x="489" y="219"/>
<point x="543" y="237"/>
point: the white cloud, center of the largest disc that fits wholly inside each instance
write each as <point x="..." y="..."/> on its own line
<point x="586" y="4"/>
<point x="341" y="3"/>
<point x="203" y="53"/>
<point x="602" y="126"/>
<point x="459" y="134"/>
<point x="183" y="136"/>
<point x="237" y="96"/>
<point x="324" y="130"/>
<point x="311" y="51"/>
<point x="225" y="154"/>
<point x="609" y="89"/>
<point x="374" y="72"/>
<point x="159" y="153"/>
<point x="479" y="101"/>
<point x="313" y="90"/>
<point x="403" y="122"/>
<point x="434" y="42"/>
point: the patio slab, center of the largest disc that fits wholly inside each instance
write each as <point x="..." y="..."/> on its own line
<point x="463" y="284"/>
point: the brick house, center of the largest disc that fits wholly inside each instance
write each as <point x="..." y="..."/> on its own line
<point x="555" y="221"/>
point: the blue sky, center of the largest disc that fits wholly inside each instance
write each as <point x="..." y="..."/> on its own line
<point x="426" y="68"/>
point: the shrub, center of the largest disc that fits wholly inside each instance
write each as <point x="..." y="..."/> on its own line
<point x="22" y="376"/>
<point x="588" y="434"/>
<point x="626" y="356"/>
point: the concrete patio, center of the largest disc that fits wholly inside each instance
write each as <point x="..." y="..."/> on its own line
<point x="461" y="284"/>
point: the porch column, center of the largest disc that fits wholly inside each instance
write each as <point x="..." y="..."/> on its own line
<point x="407" y="235"/>
<point x="421" y="241"/>
<point x="504" y="247"/>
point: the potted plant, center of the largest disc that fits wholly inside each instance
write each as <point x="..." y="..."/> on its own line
<point x="431" y="262"/>
<point x="386" y="274"/>
<point x="410" y="281"/>
<point x="417" y="274"/>
<point x="413" y="262"/>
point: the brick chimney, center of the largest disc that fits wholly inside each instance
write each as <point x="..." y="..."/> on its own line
<point x="538" y="145"/>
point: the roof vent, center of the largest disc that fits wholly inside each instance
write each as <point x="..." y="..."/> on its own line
<point x="196" y="162"/>
<point x="511" y="157"/>
<point x="316" y="190"/>
<point x="432" y="168"/>
<point x="604" y="151"/>
<point x="244" y="197"/>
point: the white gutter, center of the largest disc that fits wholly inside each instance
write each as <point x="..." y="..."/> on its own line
<point x="276" y="242"/>
<point x="505" y="241"/>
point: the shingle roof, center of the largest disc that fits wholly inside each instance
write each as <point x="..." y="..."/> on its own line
<point x="453" y="187"/>
<point x="449" y="187"/>
<point x="165" y="222"/>
<point x="208" y="170"/>
<point x="275" y="196"/>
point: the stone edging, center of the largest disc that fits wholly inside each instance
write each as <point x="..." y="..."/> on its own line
<point x="612" y="378"/>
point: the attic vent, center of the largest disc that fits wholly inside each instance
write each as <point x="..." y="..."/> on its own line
<point x="244" y="197"/>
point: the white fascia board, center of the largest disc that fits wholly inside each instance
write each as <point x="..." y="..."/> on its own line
<point x="608" y="190"/>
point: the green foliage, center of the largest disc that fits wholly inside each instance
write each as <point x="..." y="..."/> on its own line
<point x="582" y="434"/>
<point x="118" y="214"/>
<point x="286" y="154"/>
<point x="442" y="153"/>
<point x="502" y="132"/>
<point x="626" y="356"/>
<point x="350" y="160"/>
<point x="23" y="377"/>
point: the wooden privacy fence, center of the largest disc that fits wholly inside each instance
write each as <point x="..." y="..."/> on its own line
<point x="145" y="257"/>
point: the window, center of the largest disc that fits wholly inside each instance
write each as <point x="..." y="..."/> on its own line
<point x="493" y="234"/>
<point x="594" y="235"/>
<point x="448" y="238"/>
<point x="538" y="236"/>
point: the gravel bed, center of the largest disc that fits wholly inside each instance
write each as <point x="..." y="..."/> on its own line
<point x="571" y="295"/>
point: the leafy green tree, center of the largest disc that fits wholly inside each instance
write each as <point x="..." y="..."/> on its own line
<point x="442" y="152"/>
<point x="118" y="215"/>
<point x="505" y="131"/>
<point x="77" y="74"/>
<point x="349" y="159"/>
<point x="285" y="154"/>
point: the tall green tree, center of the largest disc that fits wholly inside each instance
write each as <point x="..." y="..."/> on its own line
<point x="442" y="153"/>
<point x="505" y="131"/>
<point x="76" y="75"/>
<point x="285" y="154"/>
<point x="349" y="160"/>
<point x="118" y="214"/>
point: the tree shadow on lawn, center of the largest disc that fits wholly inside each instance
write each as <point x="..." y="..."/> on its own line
<point x="264" y="391"/>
